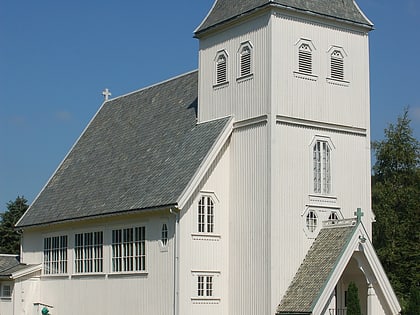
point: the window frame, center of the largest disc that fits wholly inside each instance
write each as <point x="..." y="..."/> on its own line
<point x="221" y="70"/>
<point x="206" y="215"/>
<point x="321" y="150"/>
<point x="3" y="286"/>
<point x="57" y="257"/>
<point x="89" y="254"/>
<point x="245" y="64"/>
<point x="333" y="77"/>
<point x="128" y="251"/>
<point x="305" y="61"/>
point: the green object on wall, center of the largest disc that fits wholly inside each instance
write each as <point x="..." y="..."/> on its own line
<point x="45" y="311"/>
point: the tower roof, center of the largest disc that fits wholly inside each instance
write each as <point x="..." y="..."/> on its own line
<point x="228" y="10"/>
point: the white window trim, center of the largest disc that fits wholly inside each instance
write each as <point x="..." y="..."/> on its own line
<point x="331" y="146"/>
<point x="305" y="75"/>
<point x="95" y="253"/>
<point x="6" y="297"/>
<point x="216" y="83"/>
<point x="67" y="260"/>
<point x="243" y="77"/>
<point x="330" y="79"/>
<point x="164" y="246"/>
<point x="209" y="235"/>
<point x="214" y="298"/>
<point x="111" y="250"/>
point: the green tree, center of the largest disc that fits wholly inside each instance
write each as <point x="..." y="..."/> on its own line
<point x="9" y="238"/>
<point x="353" y="302"/>
<point x="396" y="203"/>
<point x="414" y="302"/>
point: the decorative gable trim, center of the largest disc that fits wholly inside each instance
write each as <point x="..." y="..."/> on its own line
<point x="359" y="242"/>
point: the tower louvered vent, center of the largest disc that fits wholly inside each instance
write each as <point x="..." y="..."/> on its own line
<point x="337" y="65"/>
<point x="221" y="69"/>
<point x="305" y="59"/>
<point x="245" y="61"/>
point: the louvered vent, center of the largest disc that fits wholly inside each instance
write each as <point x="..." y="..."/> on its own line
<point x="245" y="61"/>
<point x="305" y="59"/>
<point x="221" y="70"/>
<point x="337" y="65"/>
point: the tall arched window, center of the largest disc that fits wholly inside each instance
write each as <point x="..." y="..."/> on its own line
<point x="205" y="215"/>
<point x="322" y="167"/>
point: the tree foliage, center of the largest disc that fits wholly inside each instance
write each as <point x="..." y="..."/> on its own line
<point x="396" y="203"/>
<point x="353" y="302"/>
<point x="9" y="238"/>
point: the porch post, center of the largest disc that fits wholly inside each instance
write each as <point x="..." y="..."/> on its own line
<point x="370" y="299"/>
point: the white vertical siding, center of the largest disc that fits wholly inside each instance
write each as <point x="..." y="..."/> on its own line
<point x="149" y="292"/>
<point x="249" y="265"/>
<point x="318" y="99"/>
<point x="241" y="98"/>
<point x="202" y="253"/>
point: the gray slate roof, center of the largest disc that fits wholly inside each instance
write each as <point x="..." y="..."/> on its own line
<point x="10" y="264"/>
<point x="139" y="152"/>
<point x="226" y="10"/>
<point x="315" y="270"/>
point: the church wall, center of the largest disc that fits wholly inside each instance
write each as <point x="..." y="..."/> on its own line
<point x="249" y="265"/>
<point x="203" y="253"/>
<point x="149" y="292"/>
<point x="293" y="196"/>
<point x="317" y="97"/>
<point x="242" y="98"/>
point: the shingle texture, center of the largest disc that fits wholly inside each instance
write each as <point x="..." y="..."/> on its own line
<point x="140" y="151"/>
<point x="10" y="264"/>
<point x="315" y="270"/>
<point x="225" y="10"/>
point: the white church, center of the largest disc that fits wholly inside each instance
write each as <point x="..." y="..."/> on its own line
<point x="242" y="188"/>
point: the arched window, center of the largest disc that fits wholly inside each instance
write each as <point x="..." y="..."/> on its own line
<point x="337" y="65"/>
<point x="164" y="234"/>
<point x="221" y="68"/>
<point x="311" y="221"/>
<point x="305" y="58"/>
<point x="205" y="215"/>
<point x="322" y="167"/>
<point x="333" y="216"/>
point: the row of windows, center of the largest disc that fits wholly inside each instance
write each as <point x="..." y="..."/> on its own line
<point x="336" y="60"/>
<point x="245" y="63"/>
<point x="128" y="251"/>
<point x="305" y="60"/>
<point x="312" y="220"/>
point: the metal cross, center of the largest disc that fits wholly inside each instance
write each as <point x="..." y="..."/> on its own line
<point x="359" y="214"/>
<point x="106" y="93"/>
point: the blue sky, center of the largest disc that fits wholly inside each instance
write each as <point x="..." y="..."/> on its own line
<point x="56" y="57"/>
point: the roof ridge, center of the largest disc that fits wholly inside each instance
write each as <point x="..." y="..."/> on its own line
<point x="153" y="85"/>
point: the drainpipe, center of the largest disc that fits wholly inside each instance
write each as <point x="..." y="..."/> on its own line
<point x="176" y="260"/>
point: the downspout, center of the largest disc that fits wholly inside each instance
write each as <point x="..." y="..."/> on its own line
<point x="175" y="212"/>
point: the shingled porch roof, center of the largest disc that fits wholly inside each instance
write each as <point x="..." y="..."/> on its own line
<point x="316" y="269"/>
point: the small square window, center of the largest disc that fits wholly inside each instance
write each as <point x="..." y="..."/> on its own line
<point x="6" y="291"/>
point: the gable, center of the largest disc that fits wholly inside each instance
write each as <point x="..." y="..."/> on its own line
<point x="139" y="152"/>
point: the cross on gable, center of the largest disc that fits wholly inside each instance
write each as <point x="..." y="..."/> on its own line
<point x="106" y="93"/>
<point x="359" y="214"/>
